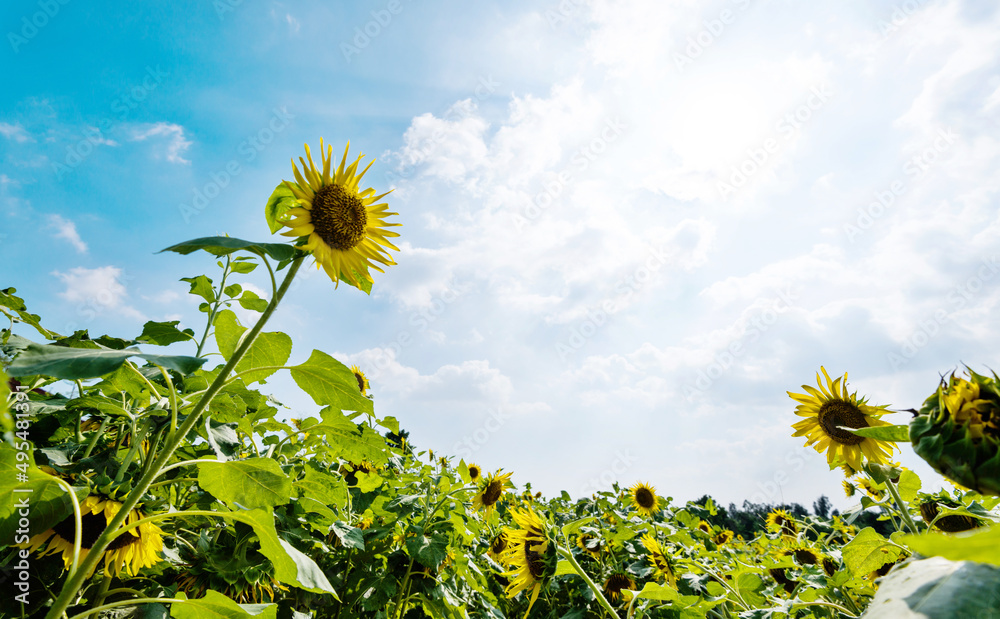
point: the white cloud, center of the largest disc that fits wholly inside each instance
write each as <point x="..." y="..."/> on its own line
<point x="15" y="132"/>
<point x="98" y="291"/>
<point x="175" y="144"/>
<point x="66" y="229"/>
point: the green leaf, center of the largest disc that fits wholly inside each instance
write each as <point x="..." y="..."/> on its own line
<point x="225" y="245"/>
<point x="48" y="501"/>
<point x="662" y="593"/>
<point x="895" y="434"/>
<point x="281" y="201"/>
<point x="429" y="550"/>
<point x="290" y="566"/>
<point x="252" y="302"/>
<point x="868" y="552"/>
<point x="164" y="333"/>
<point x="217" y="606"/>
<point x="980" y="545"/>
<point x="223" y="438"/>
<point x="574" y="526"/>
<point x="100" y="404"/>
<point x="348" y="440"/>
<point x="228" y="332"/>
<point x="351" y="537"/>
<point x="330" y="490"/>
<point x="201" y="286"/>
<point x="937" y="589"/>
<point x="243" y="264"/>
<point x="6" y="416"/>
<point x="330" y="383"/>
<point x="908" y="486"/>
<point x="564" y="567"/>
<point x="232" y="290"/>
<point x="269" y="350"/>
<point x="8" y="300"/>
<point x="73" y="363"/>
<point x="252" y="483"/>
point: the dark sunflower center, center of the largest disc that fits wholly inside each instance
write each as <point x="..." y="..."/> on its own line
<point x="645" y="498"/>
<point x="361" y="381"/>
<point x="534" y="559"/>
<point x="473" y="472"/>
<point x="499" y="544"/>
<point x="338" y="217"/>
<point x="93" y="526"/>
<point x="805" y="556"/>
<point x="835" y="415"/>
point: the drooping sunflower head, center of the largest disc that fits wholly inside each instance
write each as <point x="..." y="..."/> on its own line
<point x="828" y="412"/>
<point x="663" y="563"/>
<point x="780" y="520"/>
<point x="475" y="472"/>
<point x="361" y="378"/>
<point x="529" y="553"/>
<point x="133" y="550"/>
<point x="497" y="546"/>
<point x="803" y="554"/>
<point x="723" y="537"/>
<point x="644" y="498"/>
<point x="491" y="490"/>
<point x="875" y="491"/>
<point x="951" y="523"/>
<point x="342" y="225"/>
<point x="615" y="584"/>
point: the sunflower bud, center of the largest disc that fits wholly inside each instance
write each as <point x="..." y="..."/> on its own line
<point x="957" y="432"/>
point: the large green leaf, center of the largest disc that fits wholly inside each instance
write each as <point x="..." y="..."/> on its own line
<point x="895" y="434"/>
<point x="15" y="303"/>
<point x="73" y="363"/>
<point x="980" y="545"/>
<point x="290" y="566"/>
<point x="49" y="503"/>
<point x="269" y="350"/>
<point x="225" y="245"/>
<point x="330" y="383"/>
<point x="868" y="551"/>
<point x="217" y="606"/>
<point x="349" y="440"/>
<point x="253" y="483"/>
<point x="936" y="588"/>
<point x="164" y="333"/>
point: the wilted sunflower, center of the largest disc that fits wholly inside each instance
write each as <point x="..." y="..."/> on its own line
<point x="361" y="378"/>
<point x="343" y="226"/>
<point x="133" y="550"/>
<point x="527" y="547"/>
<point x="952" y="523"/>
<point x="828" y="411"/>
<point x="780" y="520"/>
<point x="475" y="472"/>
<point x="491" y="490"/>
<point x="615" y="584"/>
<point x="644" y="498"/>
<point x="662" y="562"/>
<point x="802" y="554"/>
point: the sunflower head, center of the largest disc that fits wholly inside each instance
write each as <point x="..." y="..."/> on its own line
<point x="957" y="431"/>
<point x="644" y="498"/>
<point x="849" y="488"/>
<point x="590" y="543"/>
<point x="475" y="472"/>
<point x="830" y="412"/>
<point x="361" y="378"/>
<point x="875" y="491"/>
<point x="530" y="554"/>
<point x="663" y="564"/>
<point x="951" y="523"/>
<point x="803" y="554"/>
<point x="497" y="546"/>
<point x="615" y="584"/>
<point x="723" y="537"/>
<point x="342" y="225"/>
<point x="781" y="521"/>
<point x="704" y="527"/>
<point x="490" y="490"/>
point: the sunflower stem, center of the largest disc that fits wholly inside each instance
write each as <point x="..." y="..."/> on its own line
<point x="903" y="509"/>
<point x="103" y="592"/>
<point x="75" y="581"/>
<point x="93" y="439"/>
<point x="215" y="308"/>
<point x="827" y="604"/>
<point x="173" y="397"/>
<point x="598" y="594"/>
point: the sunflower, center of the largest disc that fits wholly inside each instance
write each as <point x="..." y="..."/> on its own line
<point x="704" y="527"/>
<point x="780" y="520"/>
<point x="802" y="554"/>
<point x="723" y="537"/>
<point x="662" y="563"/>
<point x="475" y="472"/>
<point x="615" y="584"/>
<point x="340" y="224"/>
<point x="491" y="490"/>
<point x="952" y="523"/>
<point x="828" y="411"/>
<point x="849" y="488"/>
<point x="361" y="378"/>
<point x="590" y="543"/>
<point x="133" y="550"/>
<point x="526" y="551"/>
<point x="497" y="546"/>
<point x="871" y="489"/>
<point x="644" y="498"/>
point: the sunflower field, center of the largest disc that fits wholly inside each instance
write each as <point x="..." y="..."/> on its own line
<point x="138" y="483"/>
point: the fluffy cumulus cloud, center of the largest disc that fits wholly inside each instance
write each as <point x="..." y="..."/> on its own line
<point x="169" y="137"/>
<point x="101" y="291"/>
<point x="653" y="250"/>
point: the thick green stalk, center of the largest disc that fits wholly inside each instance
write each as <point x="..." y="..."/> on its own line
<point x="568" y="555"/>
<point x="902" y="507"/>
<point x="75" y="582"/>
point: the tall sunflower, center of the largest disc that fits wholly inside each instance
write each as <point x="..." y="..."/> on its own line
<point x="361" y="378"/>
<point x="662" y="562"/>
<point x="491" y="489"/>
<point x="133" y="550"/>
<point x="526" y="553"/>
<point x="644" y="498"/>
<point x="780" y="520"/>
<point x="475" y="472"/>
<point x="828" y="411"/>
<point x="343" y="226"/>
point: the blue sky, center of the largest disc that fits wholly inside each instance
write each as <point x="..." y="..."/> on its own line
<point x="629" y="227"/>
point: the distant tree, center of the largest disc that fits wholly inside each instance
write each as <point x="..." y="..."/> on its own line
<point x="821" y="507"/>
